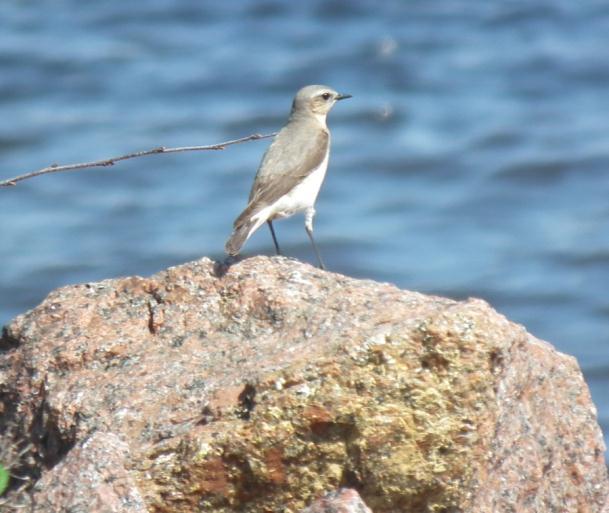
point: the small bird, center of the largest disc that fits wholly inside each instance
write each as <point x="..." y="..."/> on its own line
<point x="292" y="169"/>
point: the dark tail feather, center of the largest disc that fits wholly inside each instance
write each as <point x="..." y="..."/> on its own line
<point x="238" y="238"/>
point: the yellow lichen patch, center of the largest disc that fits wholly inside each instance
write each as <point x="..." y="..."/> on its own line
<point x="395" y="421"/>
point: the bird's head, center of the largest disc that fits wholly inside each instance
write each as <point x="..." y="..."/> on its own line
<point x="316" y="99"/>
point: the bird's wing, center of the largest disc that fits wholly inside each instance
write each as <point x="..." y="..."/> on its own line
<point x="287" y="162"/>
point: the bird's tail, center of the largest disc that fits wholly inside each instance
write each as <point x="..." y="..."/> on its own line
<point x="238" y="237"/>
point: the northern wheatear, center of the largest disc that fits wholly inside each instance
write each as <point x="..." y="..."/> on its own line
<point x="292" y="169"/>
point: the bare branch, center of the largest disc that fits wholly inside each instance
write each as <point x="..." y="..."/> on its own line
<point x="54" y="168"/>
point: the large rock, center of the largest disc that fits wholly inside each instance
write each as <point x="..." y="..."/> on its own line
<point x="263" y="386"/>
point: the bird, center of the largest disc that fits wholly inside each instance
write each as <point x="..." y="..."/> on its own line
<point x="291" y="171"/>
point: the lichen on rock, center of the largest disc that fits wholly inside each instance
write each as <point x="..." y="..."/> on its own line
<point x="265" y="385"/>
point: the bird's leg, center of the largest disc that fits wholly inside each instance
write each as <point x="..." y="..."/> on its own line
<point x="309" y="214"/>
<point x="277" y="250"/>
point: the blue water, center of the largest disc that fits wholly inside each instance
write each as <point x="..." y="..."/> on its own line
<point x="473" y="159"/>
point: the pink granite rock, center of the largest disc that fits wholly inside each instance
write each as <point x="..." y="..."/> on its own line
<point x="90" y="479"/>
<point x="344" y="500"/>
<point x="262" y="386"/>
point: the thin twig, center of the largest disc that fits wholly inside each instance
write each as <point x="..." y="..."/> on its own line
<point x="54" y="168"/>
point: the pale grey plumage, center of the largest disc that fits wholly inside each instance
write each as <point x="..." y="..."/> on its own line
<point x="292" y="169"/>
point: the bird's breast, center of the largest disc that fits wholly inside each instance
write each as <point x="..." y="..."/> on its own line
<point x="303" y="195"/>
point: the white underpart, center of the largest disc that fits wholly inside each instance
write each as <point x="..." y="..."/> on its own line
<point x="300" y="198"/>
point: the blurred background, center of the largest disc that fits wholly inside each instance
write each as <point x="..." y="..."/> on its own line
<point x="473" y="159"/>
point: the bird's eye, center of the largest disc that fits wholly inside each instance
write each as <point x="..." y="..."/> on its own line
<point x="326" y="96"/>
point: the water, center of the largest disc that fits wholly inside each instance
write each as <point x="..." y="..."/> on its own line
<point x="473" y="159"/>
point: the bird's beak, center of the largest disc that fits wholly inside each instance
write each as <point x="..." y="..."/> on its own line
<point x="343" y="97"/>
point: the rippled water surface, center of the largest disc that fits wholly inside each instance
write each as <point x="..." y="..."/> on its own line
<point x="473" y="159"/>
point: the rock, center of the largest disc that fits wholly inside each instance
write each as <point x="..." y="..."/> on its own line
<point x="90" y="479"/>
<point x="344" y="500"/>
<point x="260" y="387"/>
